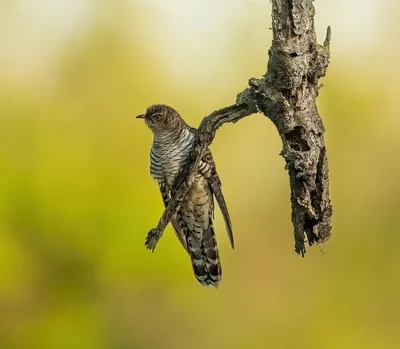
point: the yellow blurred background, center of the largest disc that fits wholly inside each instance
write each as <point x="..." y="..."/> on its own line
<point x="77" y="199"/>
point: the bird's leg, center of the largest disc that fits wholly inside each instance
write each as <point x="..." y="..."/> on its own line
<point x="152" y="238"/>
<point x="179" y="190"/>
<point x="155" y="234"/>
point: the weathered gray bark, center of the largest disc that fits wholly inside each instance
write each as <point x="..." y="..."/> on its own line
<point x="286" y="94"/>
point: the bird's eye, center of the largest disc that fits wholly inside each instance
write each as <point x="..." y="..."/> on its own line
<point x="157" y="117"/>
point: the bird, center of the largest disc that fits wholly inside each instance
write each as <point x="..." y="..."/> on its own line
<point x="173" y="140"/>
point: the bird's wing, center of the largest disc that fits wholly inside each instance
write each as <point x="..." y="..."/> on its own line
<point x="175" y="223"/>
<point x="215" y="184"/>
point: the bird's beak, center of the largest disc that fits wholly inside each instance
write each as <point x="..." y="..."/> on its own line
<point x="141" y="116"/>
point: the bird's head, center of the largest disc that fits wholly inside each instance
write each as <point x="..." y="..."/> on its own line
<point x="162" y="119"/>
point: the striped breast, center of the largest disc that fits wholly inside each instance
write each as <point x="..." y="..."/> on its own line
<point x="169" y="154"/>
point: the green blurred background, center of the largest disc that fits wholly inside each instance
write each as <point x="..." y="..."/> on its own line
<point x="76" y="197"/>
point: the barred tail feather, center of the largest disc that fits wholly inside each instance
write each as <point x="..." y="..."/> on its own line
<point x="211" y="256"/>
<point x="205" y="258"/>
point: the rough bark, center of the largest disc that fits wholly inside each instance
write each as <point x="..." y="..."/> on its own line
<point x="286" y="94"/>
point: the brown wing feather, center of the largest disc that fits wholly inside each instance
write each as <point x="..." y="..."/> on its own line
<point x="216" y="189"/>
<point x="215" y="184"/>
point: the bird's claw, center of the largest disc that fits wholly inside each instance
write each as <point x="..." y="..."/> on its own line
<point x="151" y="240"/>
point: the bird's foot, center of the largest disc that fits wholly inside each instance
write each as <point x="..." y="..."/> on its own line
<point x="151" y="240"/>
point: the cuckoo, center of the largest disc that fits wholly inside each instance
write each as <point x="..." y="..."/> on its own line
<point x="193" y="222"/>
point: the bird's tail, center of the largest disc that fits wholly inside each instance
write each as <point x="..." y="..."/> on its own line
<point x="203" y="252"/>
